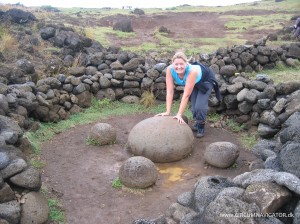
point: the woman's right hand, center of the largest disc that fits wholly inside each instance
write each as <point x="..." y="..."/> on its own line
<point x="162" y="114"/>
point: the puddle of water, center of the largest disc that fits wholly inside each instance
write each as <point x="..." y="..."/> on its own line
<point x="173" y="174"/>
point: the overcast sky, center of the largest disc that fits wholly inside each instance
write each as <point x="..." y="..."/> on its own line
<point x="121" y="3"/>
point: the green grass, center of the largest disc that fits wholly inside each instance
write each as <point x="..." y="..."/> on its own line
<point x="116" y="183"/>
<point x="212" y="44"/>
<point x="269" y="5"/>
<point x="163" y="38"/>
<point x="2" y="31"/>
<point x="56" y="213"/>
<point x="234" y="126"/>
<point x="248" y="140"/>
<point x="234" y="166"/>
<point x="94" y="11"/>
<point x="51" y="50"/>
<point x="91" y="141"/>
<point x="33" y="138"/>
<point x="124" y="35"/>
<point x="142" y="48"/>
<point x="282" y="73"/>
<point x="99" y="34"/>
<point x="244" y="23"/>
<point x="37" y="163"/>
<point x="214" y="117"/>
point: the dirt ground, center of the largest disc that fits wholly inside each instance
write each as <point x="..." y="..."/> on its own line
<point x="183" y="25"/>
<point x="81" y="175"/>
<point x="191" y="25"/>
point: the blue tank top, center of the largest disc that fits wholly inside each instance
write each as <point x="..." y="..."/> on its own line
<point x="188" y="68"/>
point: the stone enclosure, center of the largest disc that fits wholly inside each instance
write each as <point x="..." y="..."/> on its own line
<point x="118" y="75"/>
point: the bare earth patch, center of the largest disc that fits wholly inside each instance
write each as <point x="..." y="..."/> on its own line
<point x="181" y="24"/>
<point x="81" y="175"/>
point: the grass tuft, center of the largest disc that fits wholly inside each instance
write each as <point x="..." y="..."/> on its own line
<point x="33" y="139"/>
<point x="116" y="183"/>
<point x="248" y="140"/>
<point x="37" y="163"/>
<point x="8" y="43"/>
<point x="56" y="213"/>
<point x="92" y="141"/>
<point x="147" y="99"/>
<point x="234" y="126"/>
<point x="214" y="117"/>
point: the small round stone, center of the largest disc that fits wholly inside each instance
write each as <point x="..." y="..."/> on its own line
<point x="138" y="172"/>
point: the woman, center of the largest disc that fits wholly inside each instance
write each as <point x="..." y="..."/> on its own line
<point x="198" y="81"/>
<point x="296" y="27"/>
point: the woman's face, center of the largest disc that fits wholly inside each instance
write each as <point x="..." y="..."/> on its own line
<point x="179" y="65"/>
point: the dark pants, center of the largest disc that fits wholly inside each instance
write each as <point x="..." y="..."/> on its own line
<point x="297" y="32"/>
<point x="199" y="100"/>
<point x="297" y="28"/>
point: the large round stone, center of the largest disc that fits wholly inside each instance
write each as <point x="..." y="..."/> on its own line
<point x="161" y="139"/>
<point x="138" y="172"/>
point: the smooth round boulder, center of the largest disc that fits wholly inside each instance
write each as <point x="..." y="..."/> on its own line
<point x="103" y="134"/>
<point x="35" y="209"/>
<point x="138" y="172"/>
<point x="221" y="154"/>
<point x="161" y="139"/>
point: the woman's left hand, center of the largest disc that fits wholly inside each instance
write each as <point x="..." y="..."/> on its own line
<point x="179" y="118"/>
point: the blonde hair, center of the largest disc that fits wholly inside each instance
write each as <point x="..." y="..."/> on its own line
<point x="180" y="55"/>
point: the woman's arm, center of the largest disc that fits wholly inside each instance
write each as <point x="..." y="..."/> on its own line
<point x="170" y="93"/>
<point x="170" y="90"/>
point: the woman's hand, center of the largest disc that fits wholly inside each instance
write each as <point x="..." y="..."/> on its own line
<point x="162" y="114"/>
<point x="179" y="118"/>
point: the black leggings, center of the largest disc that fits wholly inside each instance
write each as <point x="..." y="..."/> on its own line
<point x="199" y="100"/>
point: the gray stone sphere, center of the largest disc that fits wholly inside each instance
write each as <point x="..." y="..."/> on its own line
<point x="35" y="209"/>
<point x="138" y="172"/>
<point x="161" y="139"/>
<point x="221" y="154"/>
<point x="103" y="134"/>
